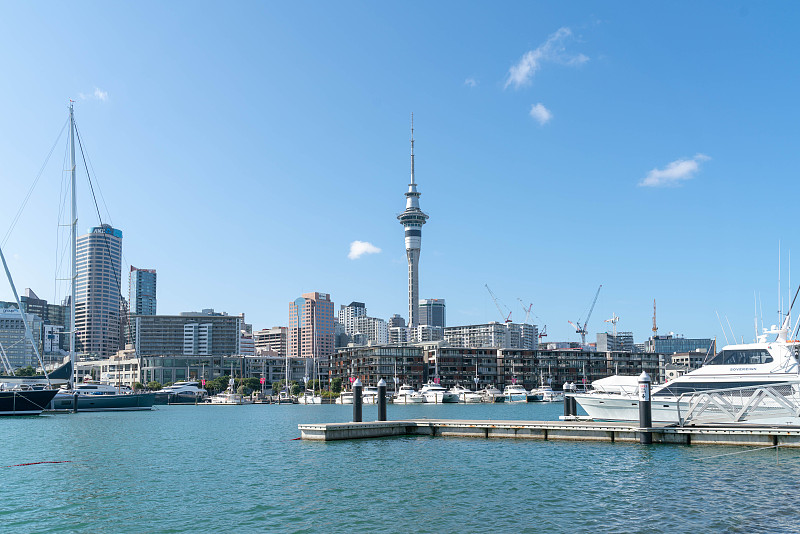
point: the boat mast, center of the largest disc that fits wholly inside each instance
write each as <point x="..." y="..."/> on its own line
<point x="73" y="243"/>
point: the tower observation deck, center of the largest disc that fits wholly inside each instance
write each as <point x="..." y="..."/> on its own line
<point x="412" y="220"/>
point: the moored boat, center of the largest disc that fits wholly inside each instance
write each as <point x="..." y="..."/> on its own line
<point x="407" y="395"/>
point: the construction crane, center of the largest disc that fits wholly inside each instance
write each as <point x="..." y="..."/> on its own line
<point x="506" y="318"/>
<point x="581" y="329"/>
<point x="614" y="320"/>
<point x="655" y="328"/>
<point x="543" y="332"/>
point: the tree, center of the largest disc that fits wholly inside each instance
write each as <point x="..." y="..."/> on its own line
<point x="153" y="385"/>
<point x="336" y="385"/>
<point x="25" y="371"/>
<point x="277" y="387"/>
<point x="295" y="388"/>
<point x="252" y="383"/>
<point x="138" y="386"/>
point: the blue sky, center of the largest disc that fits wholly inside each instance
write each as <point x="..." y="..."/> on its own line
<point x="243" y="147"/>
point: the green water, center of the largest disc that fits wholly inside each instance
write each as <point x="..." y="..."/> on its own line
<point x="238" y="469"/>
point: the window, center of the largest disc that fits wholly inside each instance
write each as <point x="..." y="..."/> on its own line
<point x="741" y="357"/>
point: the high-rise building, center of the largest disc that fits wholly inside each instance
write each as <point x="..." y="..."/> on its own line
<point x="675" y="343"/>
<point x="55" y="320"/>
<point x="16" y="346"/>
<point x="412" y="220"/>
<point x="348" y="315"/>
<point x="396" y="320"/>
<point x="374" y="328"/>
<point x="273" y="339"/>
<point x="142" y="291"/>
<point x="432" y="312"/>
<point x="98" y="292"/>
<point x="311" y="327"/>
<point x="509" y="335"/>
<point x="619" y="342"/>
<point x="205" y="333"/>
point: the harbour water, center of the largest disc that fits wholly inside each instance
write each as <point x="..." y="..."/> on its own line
<point x="239" y="468"/>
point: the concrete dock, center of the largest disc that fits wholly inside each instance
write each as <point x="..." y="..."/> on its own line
<point x="749" y="435"/>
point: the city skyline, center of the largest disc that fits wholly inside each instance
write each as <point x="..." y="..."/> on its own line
<point x="558" y="151"/>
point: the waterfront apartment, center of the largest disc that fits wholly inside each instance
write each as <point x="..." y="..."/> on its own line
<point x="493" y="334"/>
<point x="371" y="363"/>
<point x="205" y="333"/>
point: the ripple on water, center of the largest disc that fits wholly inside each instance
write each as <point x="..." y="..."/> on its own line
<point x="211" y="469"/>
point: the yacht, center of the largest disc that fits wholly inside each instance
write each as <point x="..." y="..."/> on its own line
<point x="492" y="394"/>
<point x="369" y="395"/>
<point x="309" y="398"/>
<point x="229" y="396"/>
<point x="545" y="394"/>
<point x="407" y="395"/>
<point x="346" y="397"/>
<point x="465" y="395"/>
<point x="98" y="397"/>
<point x="515" y="393"/>
<point x="436" y="394"/>
<point x="735" y="366"/>
<point x="181" y="392"/>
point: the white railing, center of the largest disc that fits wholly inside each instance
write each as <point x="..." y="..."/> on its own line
<point x="767" y="403"/>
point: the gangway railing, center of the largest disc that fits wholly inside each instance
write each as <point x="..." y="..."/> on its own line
<point x="775" y="403"/>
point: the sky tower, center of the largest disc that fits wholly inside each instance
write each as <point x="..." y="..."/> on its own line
<point x="412" y="220"/>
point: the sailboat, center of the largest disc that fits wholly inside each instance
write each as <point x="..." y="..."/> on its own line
<point x="91" y="397"/>
<point x="23" y="399"/>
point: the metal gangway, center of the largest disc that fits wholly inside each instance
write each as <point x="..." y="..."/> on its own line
<point x="766" y="404"/>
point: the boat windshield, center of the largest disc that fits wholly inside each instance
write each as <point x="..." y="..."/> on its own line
<point x="741" y="357"/>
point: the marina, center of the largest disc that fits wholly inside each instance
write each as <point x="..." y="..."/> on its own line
<point x="131" y="462"/>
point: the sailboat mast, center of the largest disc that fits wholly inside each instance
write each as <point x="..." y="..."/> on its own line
<point x="73" y="243"/>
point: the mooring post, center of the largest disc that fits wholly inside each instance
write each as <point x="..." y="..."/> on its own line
<point x="74" y="403"/>
<point x="357" y="400"/>
<point x="645" y="413"/>
<point x="382" y="400"/>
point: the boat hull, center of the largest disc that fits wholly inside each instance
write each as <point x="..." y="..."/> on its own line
<point x="25" y="402"/>
<point x="104" y="403"/>
<point x="408" y="399"/>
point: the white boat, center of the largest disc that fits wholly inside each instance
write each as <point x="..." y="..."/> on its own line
<point x="229" y="396"/>
<point x="466" y="396"/>
<point x="436" y="394"/>
<point x="492" y="394"/>
<point x="546" y="394"/>
<point x="369" y="395"/>
<point x="515" y="393"/>
<point x="184" y="388"/>
<point x="735" y="366"/>
<point x="407" y="395"/>
<point x="309" y="398"/>
<point x="346" y="397"/>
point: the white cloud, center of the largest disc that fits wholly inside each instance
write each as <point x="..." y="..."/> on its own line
<point x="359" y="248"/>
<point x="674" y="173"/>
<point x="541" y="113"/>
<point x="552" y="50"/>
<point x="98" y="94"/>
<point x="470" y="82"/>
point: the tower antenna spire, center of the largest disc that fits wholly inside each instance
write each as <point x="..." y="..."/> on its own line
<point x="412" y="147"/>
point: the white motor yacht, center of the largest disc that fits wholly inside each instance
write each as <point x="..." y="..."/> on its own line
<point x="309" y="398"/>
<point x="466" y="396"/>
<point x="369" y="395"/>
<point x="184" y="388"/>
<point x="546" y="394"/>
<point x="735" y="366"/>
<point x="229" y="396"/>
<point x="436" y="394"/>
<point x="346" y="397"/>
<point x="407" y="395"/>
<point x="515" y="393"/>
<point x="492" y="394"/>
